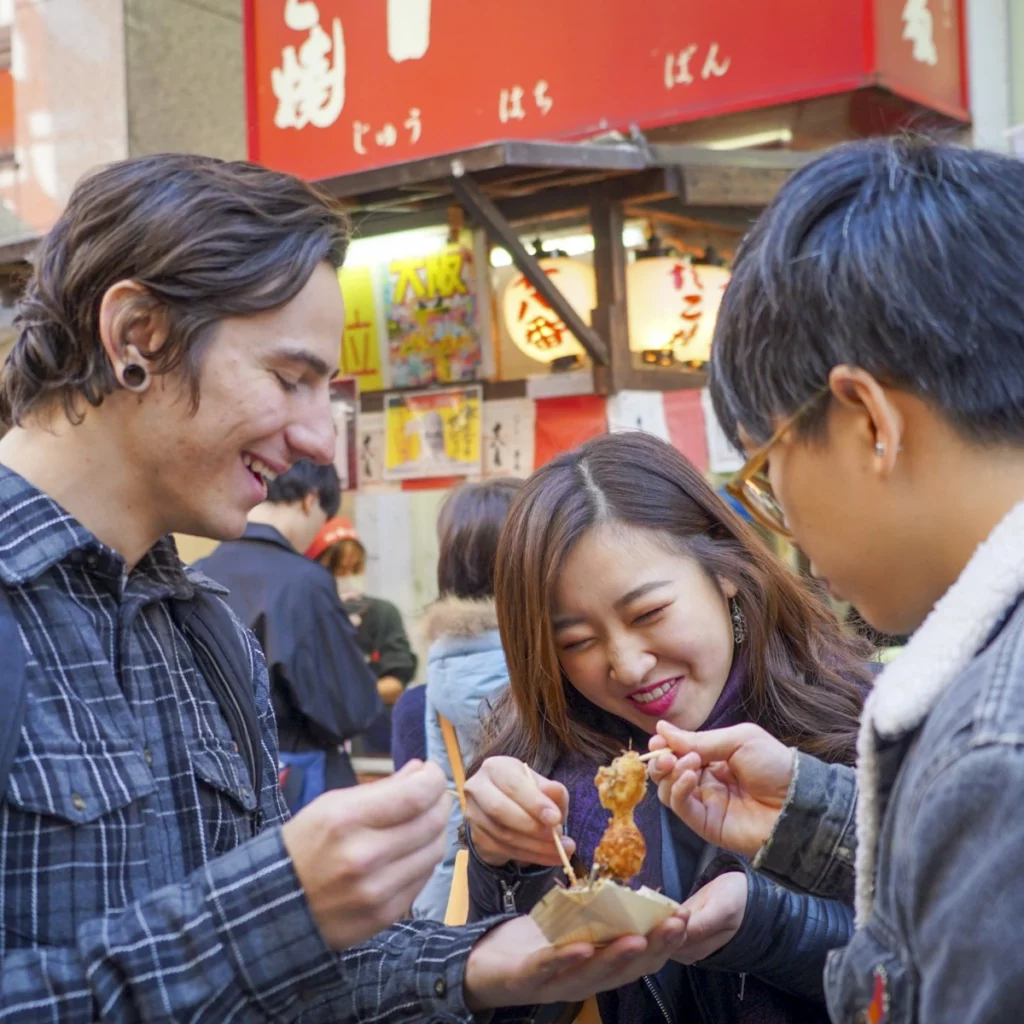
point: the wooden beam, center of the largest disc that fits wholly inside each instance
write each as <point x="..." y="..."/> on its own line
<point x="488" y="216"/>
<point x="496" y="156"/>
<point x="731" y="186"/>
<point x="606" y="223"/>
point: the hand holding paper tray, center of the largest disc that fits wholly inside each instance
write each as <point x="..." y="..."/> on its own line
<point x="600" y="913"/>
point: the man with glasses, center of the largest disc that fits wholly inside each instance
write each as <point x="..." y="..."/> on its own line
<point x="869" y="356"/>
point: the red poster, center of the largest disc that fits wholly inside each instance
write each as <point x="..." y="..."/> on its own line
<point x="337" y="86"/>
<point x="684" y="415"/>
<point x="564" y="423"/>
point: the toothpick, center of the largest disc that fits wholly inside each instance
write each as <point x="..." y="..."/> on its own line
<point x="651" y="755"/>
<point x="555" y="835"/>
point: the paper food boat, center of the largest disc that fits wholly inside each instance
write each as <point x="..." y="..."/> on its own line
<point x="600" y="913"/>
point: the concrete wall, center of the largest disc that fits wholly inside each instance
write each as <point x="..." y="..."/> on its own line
<point x="989" y="70"/>
<point x="1017" y="61"/>
<point x="67" y="60"/>
<point x="185" y="77"/>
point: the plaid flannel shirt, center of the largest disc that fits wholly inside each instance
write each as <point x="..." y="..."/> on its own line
<point x="142" y="878"/>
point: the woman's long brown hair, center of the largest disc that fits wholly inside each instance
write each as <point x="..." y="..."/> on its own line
<point x="806" y="680"/>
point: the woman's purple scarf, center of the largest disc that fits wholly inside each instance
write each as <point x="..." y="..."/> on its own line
<point x="588" y="819"/>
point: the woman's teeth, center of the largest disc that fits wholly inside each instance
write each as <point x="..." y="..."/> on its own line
<point x="650" y="695"/>
<point x="259" y="467"/>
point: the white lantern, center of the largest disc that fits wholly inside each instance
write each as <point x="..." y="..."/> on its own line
<point x="533" y="325"/>
<point x="673" y="305"/>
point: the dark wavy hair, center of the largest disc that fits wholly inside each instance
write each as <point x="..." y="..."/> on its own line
<point x="206" y="239"/>
<point x="806" y="679"/>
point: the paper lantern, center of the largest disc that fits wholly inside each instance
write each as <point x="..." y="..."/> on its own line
<point x="673" y="305"/>
<point x="533" y="325"/>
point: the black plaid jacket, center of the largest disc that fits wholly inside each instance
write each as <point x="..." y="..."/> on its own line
<point x="139" y="878"/>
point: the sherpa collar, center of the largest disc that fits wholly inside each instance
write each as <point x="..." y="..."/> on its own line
<point x="958" y="627"/>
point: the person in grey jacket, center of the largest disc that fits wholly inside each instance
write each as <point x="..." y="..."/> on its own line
<point x="465" y="665"/>
<point x="880" y="396"/>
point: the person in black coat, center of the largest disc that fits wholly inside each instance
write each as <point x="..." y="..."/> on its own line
<point x="322" y="690"/>
<point x="380" y="631"/>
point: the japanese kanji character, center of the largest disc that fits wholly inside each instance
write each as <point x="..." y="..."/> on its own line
<point x="918" y="28"/>
<point x="497" y="443"/>
<point x="712" y="66"/>
<point x="359" y="129"/>
<point x="414" y="124"/>
<point x="310" y="89"/>
<point x="545" y="333"/>
<point x="542" y="99"/>
<point x="510" y="105"/>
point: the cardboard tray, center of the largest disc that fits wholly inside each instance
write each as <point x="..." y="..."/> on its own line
<point x="600" y="913"/>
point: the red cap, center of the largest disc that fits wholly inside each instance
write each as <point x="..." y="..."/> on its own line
<point x="333" y="531"/>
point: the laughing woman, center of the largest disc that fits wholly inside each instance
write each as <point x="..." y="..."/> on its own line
<point x="627" y="593"/>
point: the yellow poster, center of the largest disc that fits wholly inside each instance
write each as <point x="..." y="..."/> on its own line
<point x="433" y="433"/>
<point x="360" y="346"/>
<point x="432" y="330"/>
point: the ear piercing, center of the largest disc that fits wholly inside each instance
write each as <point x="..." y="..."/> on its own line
<point x="134" y="377"/>
<point x="880" y="449"/>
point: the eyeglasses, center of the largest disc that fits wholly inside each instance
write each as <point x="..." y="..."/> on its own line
<point x="751" y="486"/>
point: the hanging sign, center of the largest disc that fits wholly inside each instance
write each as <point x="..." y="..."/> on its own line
<point x="345" y="410"/>
<point x="360" y="348"/>
<point x="340" y="86"/>
<point x="433" y="434"/>
<point x="433" y="336"/>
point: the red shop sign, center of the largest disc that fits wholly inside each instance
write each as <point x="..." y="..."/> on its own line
<point x="336" y="86"/>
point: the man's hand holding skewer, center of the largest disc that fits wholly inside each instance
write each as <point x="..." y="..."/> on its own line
<point x="728" y="785"/>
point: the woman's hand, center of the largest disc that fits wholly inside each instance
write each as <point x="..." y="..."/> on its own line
<point x="715" y="915"/>
<point x="728" y="785"/>
<point x="511" y="812"/>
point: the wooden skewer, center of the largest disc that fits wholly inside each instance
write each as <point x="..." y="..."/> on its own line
<point x="555" y="835"/>
<point x="651" y="755"/>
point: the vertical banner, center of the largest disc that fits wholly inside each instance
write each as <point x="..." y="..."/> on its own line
<point x="722" y="457"/>
<point x="360" y="346"/>
<point x="508" y="429"/>
<point x="564" y="423"/>
<point x="345" y="410"/>
<point x="638" y="410"/>
<point x="684" y="415"/>
<point x="371" y="447"/>
<point x="384" y="522"/>
<point x="433" y="434"/>
<point x="433" y="332"/>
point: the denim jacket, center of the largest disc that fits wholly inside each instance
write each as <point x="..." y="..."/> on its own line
<point x="939" y="820"/>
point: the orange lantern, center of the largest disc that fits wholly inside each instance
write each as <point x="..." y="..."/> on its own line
<point x="533" y="325"/>
<point x="673" y="305"/>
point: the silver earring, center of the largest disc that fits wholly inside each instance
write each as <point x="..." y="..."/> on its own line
<point x="880" y="449"/>
<point x="739" y="623"/>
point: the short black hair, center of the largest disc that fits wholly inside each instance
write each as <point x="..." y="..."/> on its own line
<point x="901" y="256"/>
<point x="468" y="528"/>
<point x="303" y="479"/>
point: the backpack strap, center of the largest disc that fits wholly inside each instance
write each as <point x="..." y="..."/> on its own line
<point x="212" y="633"/>
<point x="13" y="688"/>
